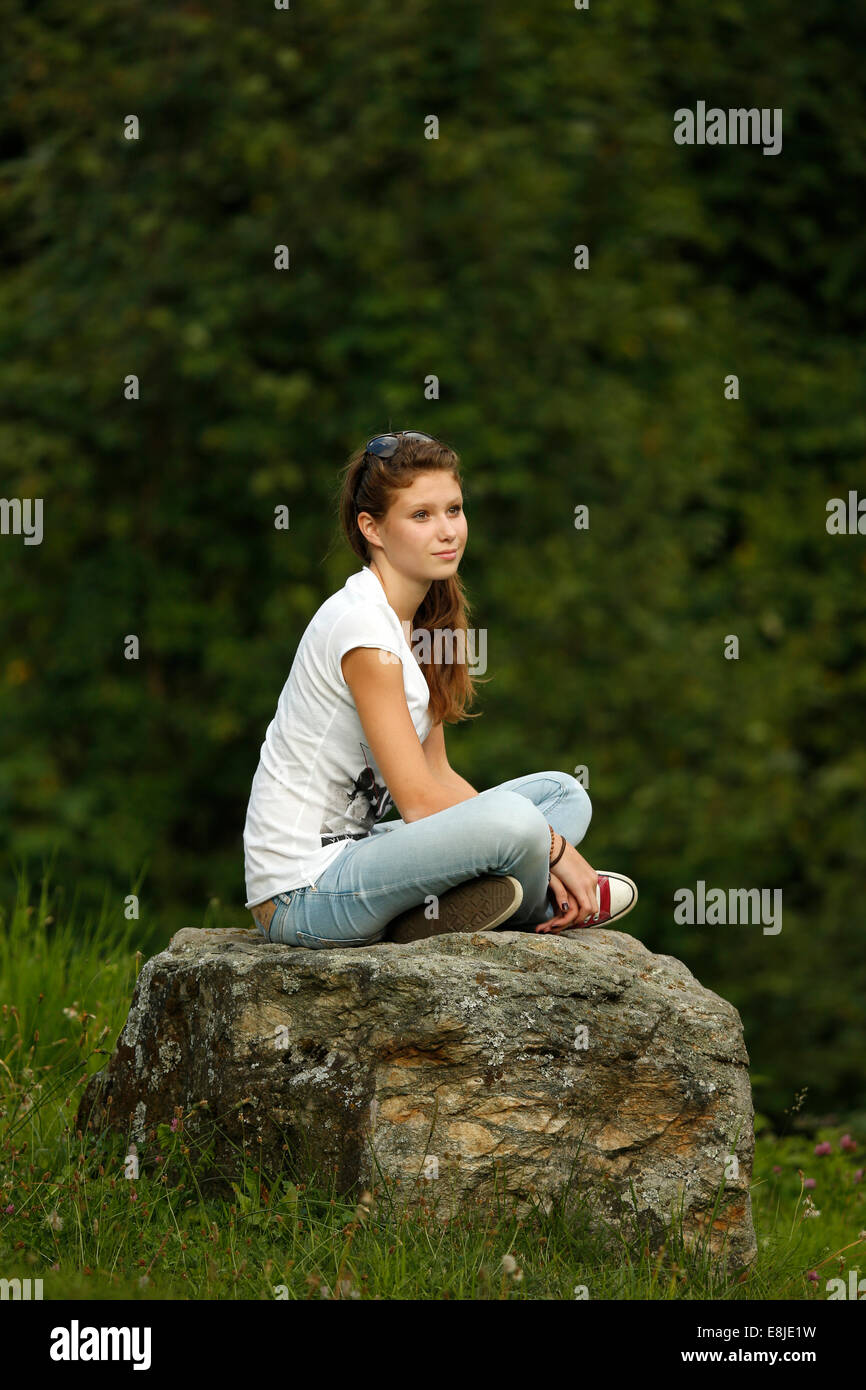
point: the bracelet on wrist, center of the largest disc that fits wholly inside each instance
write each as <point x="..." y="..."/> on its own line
<point x="561" y="848"/>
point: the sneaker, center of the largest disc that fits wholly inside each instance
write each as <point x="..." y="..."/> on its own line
<point x="616" y="894"/>
<point x="479" y="904"/>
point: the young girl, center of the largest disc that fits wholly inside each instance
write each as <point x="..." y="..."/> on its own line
<point x="360" y="722"/>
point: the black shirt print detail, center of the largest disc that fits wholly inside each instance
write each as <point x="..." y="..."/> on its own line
<point x="366" y="803"/>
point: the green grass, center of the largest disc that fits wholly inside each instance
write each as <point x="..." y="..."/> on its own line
<point x="70" y="1216"/>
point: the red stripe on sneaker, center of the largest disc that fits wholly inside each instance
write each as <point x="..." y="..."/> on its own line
<point x="604" y="896"/>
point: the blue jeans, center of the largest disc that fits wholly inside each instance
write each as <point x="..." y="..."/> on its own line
<point x="500" y="831"/>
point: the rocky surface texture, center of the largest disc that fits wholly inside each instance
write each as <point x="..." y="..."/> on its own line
<point x="458" y="1065"/>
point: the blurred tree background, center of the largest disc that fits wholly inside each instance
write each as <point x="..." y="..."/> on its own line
<point x="559" y="387"/>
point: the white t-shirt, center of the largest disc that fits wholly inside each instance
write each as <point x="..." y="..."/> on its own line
<point x="317" y="786"/>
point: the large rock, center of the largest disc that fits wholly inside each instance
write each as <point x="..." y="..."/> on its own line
<point x="497" y="1060"/>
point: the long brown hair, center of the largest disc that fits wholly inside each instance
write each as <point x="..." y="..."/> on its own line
<point x="370" y="484"/>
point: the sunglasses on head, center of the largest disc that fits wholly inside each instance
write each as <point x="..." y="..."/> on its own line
<point x="384" y="446"/>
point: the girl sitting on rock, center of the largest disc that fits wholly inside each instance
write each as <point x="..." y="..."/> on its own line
<point x="360" y="725"/>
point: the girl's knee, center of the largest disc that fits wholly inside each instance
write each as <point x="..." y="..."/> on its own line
<point x="573" y="809"/>
<point x="514" y="823"/>
<point x="577" y="812"/>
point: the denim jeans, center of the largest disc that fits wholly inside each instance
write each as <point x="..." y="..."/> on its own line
<point x="500" y="831"/>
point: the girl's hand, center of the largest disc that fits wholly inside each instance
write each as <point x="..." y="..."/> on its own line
<point x="575" y="885"/>
<point x="566" y="916"/>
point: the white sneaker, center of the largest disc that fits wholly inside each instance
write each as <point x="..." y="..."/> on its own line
<point x="616" y="894"/>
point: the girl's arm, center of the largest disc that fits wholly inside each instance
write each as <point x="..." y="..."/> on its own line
<point x="440" y="768"/>
<point x="457" y="783"/>
<point x="380" y="699"/>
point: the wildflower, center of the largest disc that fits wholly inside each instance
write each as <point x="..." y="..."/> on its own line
<point x="825" y="1148"/>
<point x="858" y="1176"/>
<point x="55" y="1221"/>
<point x="776" y="1168"/>
<point x="174" y="1124"/>
<point x="846" y="1142"/>
<point x="10" y="1208"/>
<point x="509" y="1264"/>
<point x="812" y="1276"/>
<point x="809" y="1208"/>
<point x="809" y="1182"/>
<point x="362" y="1210"/>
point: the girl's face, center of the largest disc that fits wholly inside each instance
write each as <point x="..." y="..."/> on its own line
<point x="425" y="520"/>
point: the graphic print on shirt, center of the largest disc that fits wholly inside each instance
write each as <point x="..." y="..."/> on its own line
<point x="366" y="803"/>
